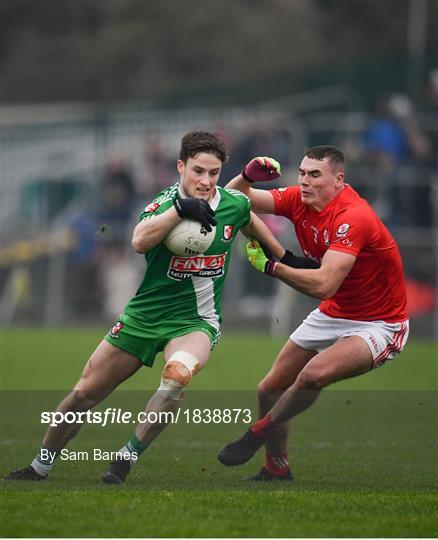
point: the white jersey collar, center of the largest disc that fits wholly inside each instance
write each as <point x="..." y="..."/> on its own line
<point x="214" y="203"/>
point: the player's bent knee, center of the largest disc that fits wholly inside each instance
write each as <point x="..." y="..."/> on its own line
<point x="264" y="391"/>
<point x="78" y="400"/>
<point x="311" y="379"/>
<point x="271" y="386"/>
<point x="177" y="374"/>
<point x="267" y="397"/>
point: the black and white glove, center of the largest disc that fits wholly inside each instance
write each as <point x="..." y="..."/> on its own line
<point x="289" y="259"/>
<point x="196" y="209"/>
<point x="294" y="261"/>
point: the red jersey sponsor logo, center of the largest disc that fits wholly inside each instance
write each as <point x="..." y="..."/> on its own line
<point x="342" y="230"/>
<point x="151" y="207"/>
<point x="326" y="237"/>
<point x="347" y="242"/>
<point x="207" y="266"/>
<point x="228" y="232"/>
<point x="116" y="329"/>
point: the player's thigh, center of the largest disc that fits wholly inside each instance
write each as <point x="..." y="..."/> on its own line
<point x="106" y="368"/>
<point x="348" y="357"/>
<point x="289" y="363"/>
<point x="196" y="343"/>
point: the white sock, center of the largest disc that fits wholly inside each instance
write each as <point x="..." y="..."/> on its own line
<point x="133" y="454"/>
<point x="44" y="461"/>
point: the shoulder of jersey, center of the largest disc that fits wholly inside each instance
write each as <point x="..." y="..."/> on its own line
<point x="235" y="193"/>
<point x="167" y="194"/>
<point x="288" y="188"/>
<point x="354" y="202"/>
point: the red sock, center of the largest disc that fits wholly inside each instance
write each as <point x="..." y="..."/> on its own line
<point x="277" y="465"/>
<point x="263" y="427"/>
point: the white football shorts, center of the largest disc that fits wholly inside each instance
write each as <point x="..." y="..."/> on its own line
<point x="319" y="331"/>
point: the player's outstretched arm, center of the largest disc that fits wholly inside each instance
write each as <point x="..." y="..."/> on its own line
<point x="259" y="169"/>
<point x="323" y="282"/>
<point x="270" y="248"/>
<point x="258" y="230"/>
<point x="320" y="283"/>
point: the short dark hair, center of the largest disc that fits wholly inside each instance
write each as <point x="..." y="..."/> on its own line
<point x="335" y="156"/>
<point x="195" y="142"/>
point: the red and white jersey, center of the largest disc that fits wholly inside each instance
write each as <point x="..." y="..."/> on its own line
<point x="375" y="288"/>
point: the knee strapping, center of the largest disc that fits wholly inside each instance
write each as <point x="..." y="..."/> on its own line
<point x="177" y="373"/>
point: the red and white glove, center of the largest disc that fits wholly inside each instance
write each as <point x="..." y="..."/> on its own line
<point x="261" y="169"/>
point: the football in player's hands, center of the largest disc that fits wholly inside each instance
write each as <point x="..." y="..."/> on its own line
<point x="196" y="209"/>
<point x="261" y="169"/>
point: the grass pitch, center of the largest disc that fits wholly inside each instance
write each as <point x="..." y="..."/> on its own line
<point x="364" y="456"/>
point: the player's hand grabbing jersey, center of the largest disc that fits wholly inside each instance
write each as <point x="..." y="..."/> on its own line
<point x="189" y="288"/>
<point x="374" y="289"/>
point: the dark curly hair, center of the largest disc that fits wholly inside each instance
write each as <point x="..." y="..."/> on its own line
<point x="202" y="141"/>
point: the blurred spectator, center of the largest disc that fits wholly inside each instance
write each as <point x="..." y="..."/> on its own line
<point x="432" y="110"/>
<point x="394" y="142"/>
<point x="117" y="199"/>
<point x="416" y="204"/>
<point x="84" y="290"/>
<point x="159" y="167"/>
<point x="115" y="219"/>
<point x="258" y="139"/>
<point x="426" y="197"/>
<point x="261" y="137"/>
<point x="387" y="146"/>
<point x="120" y="278"/>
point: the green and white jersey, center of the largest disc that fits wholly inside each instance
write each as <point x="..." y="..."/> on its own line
<point x="189" y="288"/>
